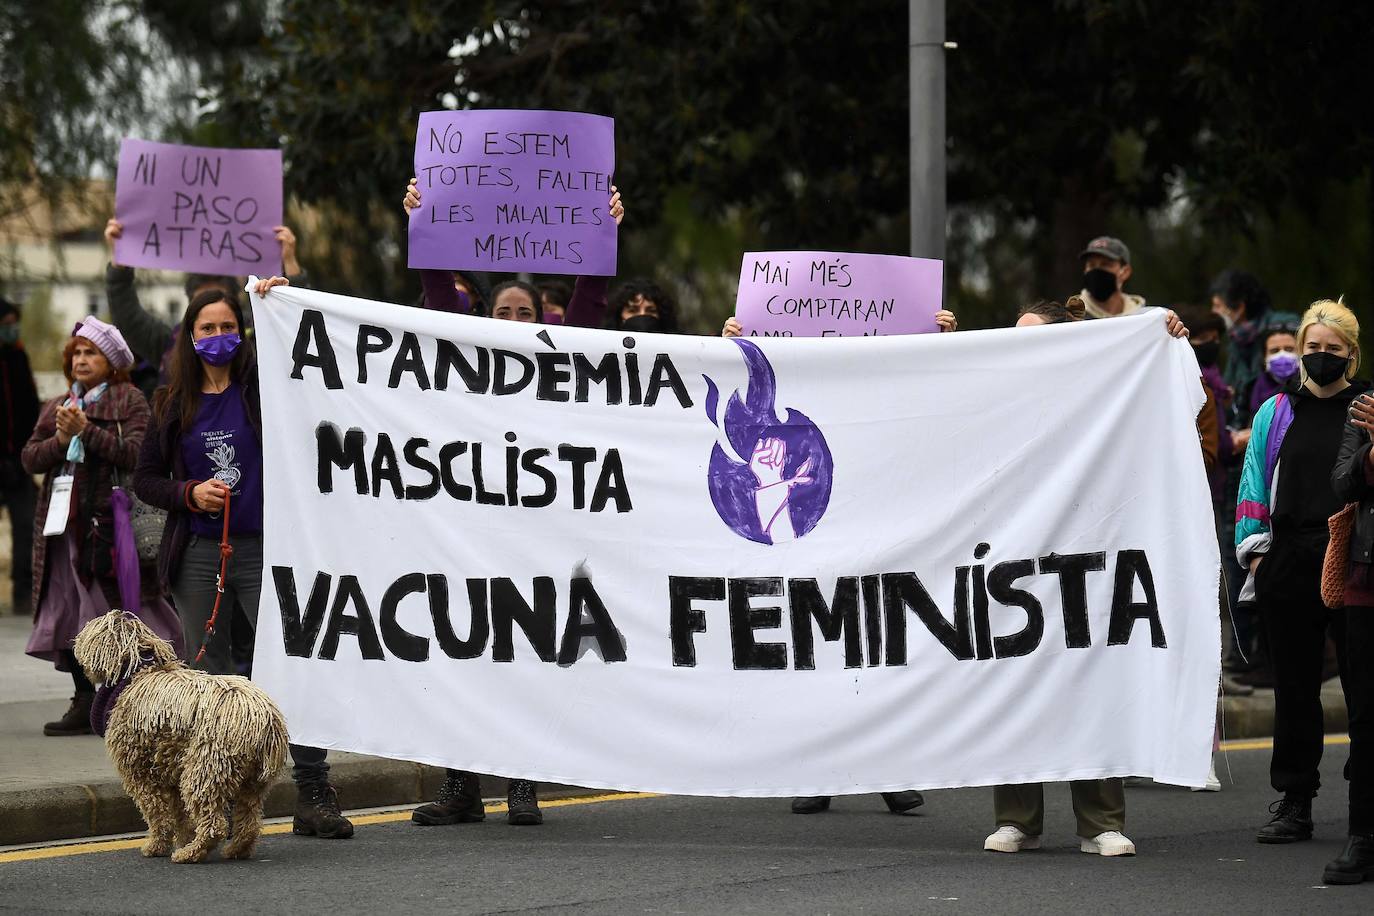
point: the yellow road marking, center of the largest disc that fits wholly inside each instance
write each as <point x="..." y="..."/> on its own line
<point x="384" y="817"/>
<point x="1264" y="744"/>
<point x="391" y="817"/>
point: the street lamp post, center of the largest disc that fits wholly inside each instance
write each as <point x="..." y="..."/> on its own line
<point x="927" y="126"/>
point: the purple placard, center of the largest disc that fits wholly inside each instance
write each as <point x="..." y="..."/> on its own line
<point x="836" y="294"/>
<point x="198" y="209"/>
<point x="514" y="191"/>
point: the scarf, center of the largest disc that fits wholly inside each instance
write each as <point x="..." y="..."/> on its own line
<point x="79" y="398"/>
<point x="106" y="695"/>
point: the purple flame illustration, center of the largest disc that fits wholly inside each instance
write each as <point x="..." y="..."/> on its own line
<point x="769" y="478"/>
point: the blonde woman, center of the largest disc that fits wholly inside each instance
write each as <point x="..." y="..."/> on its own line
<point x="1285" y="500"/>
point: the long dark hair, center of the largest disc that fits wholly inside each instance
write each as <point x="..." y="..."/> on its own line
<point x="1055" y="313"/>
<point x="632" y="289"/>
<point x="185" y="374"/>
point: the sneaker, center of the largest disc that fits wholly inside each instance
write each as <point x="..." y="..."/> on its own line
<point x="1010" y="839"/>
<point x="75" y="721"/>
<point x="459" y="802"/>
<point x="1110" y="843"/>
<point x="1354" y="865"/>
<point x="522" y="804"/>
<point x="1213" y="784"/>
<point x="1291" y="823"/>
<point x="318" y="814"/>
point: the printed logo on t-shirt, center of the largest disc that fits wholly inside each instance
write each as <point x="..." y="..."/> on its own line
<point x="221" y="455"/>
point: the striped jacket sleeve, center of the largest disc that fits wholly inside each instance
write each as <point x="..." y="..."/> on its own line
<point x="1252" y="501"/>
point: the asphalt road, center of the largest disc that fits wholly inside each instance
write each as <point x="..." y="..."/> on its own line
<point x="689" y="855"/>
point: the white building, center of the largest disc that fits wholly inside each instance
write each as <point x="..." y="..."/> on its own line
<point x="56" y="262"/>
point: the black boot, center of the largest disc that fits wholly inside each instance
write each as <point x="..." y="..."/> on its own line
<point x="459" y="802"/>
<point x="1291" y="823"/>
<point x="76" y="721"/>
<point x="1353" y="865"/>
<point x="811" y="804"/>
<point x="903" y="802"/>
<point x="318" y="814"/>
<point x="522" y="804"/>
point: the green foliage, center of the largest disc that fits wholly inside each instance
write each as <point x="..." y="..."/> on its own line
<point x="43" y="339"/>
<point x="1208" y="134"/>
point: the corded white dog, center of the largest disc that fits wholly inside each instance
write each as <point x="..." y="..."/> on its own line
<point x="188" y="745"/>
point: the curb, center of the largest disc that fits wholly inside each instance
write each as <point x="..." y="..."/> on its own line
<point x="75" y="811"/>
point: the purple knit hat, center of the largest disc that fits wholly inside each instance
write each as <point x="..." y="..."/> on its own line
<point x="108" y="340"/>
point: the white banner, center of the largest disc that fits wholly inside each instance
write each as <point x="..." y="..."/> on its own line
<point x="714" y="567"/>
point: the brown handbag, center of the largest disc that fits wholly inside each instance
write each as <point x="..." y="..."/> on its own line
<point x="1336" y="566"/>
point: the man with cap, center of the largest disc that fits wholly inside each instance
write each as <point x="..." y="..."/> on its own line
<point x="19" y="402"/>
<point x="1106" y="268"/>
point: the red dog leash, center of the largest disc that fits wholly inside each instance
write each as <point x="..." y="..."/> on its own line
<point x="226" y="550"/>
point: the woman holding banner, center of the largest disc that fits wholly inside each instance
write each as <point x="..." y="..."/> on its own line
<point x="202" y="461"/>
<point x="516" y="300"/>
<point x="1285" y="501"/>
<point x="460" y="797"/>
<point x="1099" y="805"/>
<point x="85" y="444"/>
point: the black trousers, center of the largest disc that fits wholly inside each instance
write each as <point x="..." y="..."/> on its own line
<point x="1359" y="645"/>
<point x="20" y="498"/>
<point x="1296" y="623"/>
<point x="194" y="593"/>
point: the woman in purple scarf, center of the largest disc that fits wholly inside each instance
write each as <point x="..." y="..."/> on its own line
<point x="86" y="442"/>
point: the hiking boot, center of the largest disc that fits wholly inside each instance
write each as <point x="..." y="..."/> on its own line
<point x="318" y="814"/>
<point x="522" y="804"/>
<point x="903" y="802"/>
<point x="1291" y="823"/>
<point x="811" y="804"/>
<point x="1010" y="839"/>
<point x="459" y="802"/>
<point x="77" y="719"/>
<point x="1354" y="865"/>
<point x="1111" y="843"/>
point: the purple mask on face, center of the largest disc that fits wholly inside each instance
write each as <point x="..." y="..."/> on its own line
<point x="218" y="350"/>
<point x="1282" y="365"/>
<point x="553" y="318"/>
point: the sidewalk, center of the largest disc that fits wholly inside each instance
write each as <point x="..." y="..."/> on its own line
<point x="59" y="788"/>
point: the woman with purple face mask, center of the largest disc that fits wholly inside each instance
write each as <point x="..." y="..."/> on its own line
<point x="203" y="450"/>
<point x="1279" y="350"/>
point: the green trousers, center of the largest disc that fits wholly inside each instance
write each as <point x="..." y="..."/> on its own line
<point x="1099" y="805"/>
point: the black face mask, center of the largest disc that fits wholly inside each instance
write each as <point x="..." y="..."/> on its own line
<point x="1100" y="283"/>
<point x="642" y="324"/>
<point x="1324" y="368"/>
<point x="1207" y="353"/>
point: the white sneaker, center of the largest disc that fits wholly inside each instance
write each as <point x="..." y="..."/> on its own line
<point x="1213" y="784"/>
<point x="1110" y="843"/>
<point x="1010" y="839"/>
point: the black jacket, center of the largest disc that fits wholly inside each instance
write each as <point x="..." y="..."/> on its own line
<point x="18" y="401"/>
<point x="161" y="478"/>
<point x="1351" y="485"/>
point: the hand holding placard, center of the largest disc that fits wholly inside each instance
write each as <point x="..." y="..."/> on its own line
<point x="513" y="191"/>
<point x="197" y="209"/>
<point x="836" y="294"/>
